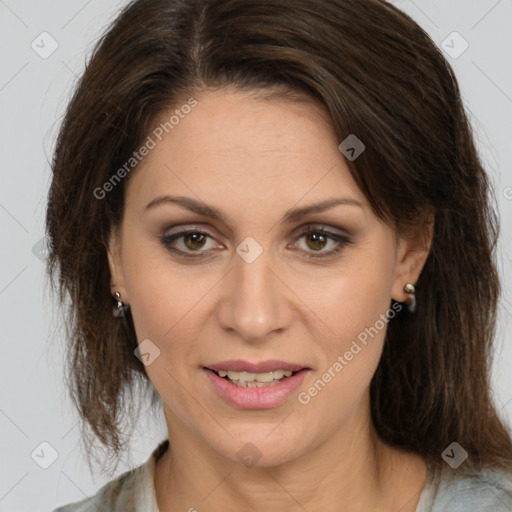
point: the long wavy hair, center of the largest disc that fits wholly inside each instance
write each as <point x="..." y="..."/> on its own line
<point x="380" y="76"/>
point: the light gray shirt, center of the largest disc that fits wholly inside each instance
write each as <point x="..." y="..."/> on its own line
<point x="134" y="491"/>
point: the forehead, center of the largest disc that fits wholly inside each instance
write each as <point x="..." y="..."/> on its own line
<point x="232" y="144"/>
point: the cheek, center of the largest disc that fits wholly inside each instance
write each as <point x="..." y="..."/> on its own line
<point x="167" y="308"/>
<point x="353" y="306"/>
<point x="164" y="310"/>
<point x="356" y="298"/>
<point x="159" y="296"/>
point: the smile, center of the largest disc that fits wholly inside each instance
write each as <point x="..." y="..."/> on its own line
<point x="255" y="390"/>
<point x="255" y="380"/>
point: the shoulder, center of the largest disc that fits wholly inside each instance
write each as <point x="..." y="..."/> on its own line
<point x="132" y="491"/>
<point x="485" y="491"/>
<point x="116" y="495"/>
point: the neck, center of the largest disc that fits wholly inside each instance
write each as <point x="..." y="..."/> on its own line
<point x="354" y="468"/>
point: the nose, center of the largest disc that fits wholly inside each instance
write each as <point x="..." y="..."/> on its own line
<point x="254" y="300"/>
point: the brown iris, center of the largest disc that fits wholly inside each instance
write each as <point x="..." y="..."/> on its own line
<point x="197" y="240"/>
<point x="317" y="238"/>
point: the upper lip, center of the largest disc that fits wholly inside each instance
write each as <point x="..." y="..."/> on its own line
<point x="239" y="365"/>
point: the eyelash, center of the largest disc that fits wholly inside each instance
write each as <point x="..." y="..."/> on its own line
<point x="341" y="239"/>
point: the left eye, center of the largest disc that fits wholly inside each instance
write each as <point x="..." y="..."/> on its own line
<point x="316" y="240"/>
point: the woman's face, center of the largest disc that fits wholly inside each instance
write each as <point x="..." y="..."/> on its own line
<point x="250" y="287"/>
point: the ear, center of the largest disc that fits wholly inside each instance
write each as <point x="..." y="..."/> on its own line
<point x="413" y="249"/>
<point x="117" y="282"/>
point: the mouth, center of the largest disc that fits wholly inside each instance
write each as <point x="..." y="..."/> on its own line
<point x="255" y="385"/>
<point x="254" y="380"/>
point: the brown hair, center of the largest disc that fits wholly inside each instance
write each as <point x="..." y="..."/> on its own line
<point x="380" y="77"/>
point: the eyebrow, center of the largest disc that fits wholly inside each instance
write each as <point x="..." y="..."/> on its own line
<point x="292" y="215"/>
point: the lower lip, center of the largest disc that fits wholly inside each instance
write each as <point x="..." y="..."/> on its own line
<point x="256" y="398"/>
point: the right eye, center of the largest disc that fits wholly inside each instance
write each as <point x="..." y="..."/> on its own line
<point x="191" y="240"/>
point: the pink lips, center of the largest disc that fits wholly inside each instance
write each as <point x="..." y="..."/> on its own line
<point x="256" y="398"/>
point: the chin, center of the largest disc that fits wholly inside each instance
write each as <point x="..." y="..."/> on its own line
<point x="257" y="450"/>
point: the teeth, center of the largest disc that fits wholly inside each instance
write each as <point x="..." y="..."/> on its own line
<point x="254" y="384"/>
<point x="248" y="377"/>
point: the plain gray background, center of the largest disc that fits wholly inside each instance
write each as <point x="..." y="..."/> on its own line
<point x="34" y="89"/>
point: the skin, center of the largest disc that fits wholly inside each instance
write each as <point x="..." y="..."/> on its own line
<point x="255" y="159"/>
